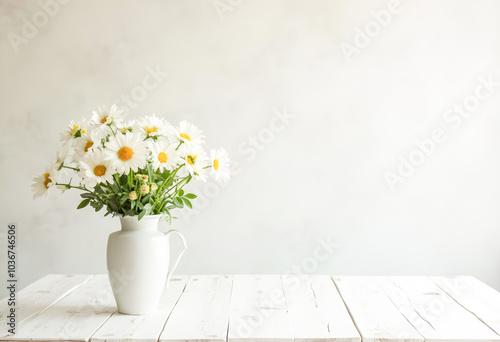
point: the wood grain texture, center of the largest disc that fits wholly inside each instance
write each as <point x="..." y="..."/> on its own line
<point x="258" y="310"/>
<point x="436" y="316"/>
<point x="202" y="312"/>
<point x="73" y="318"/>
<point x="475" y="296"/>
<point x="38" y="296"/>
<point x="270" y="308"/>
<point x="142" y="328"/>
<point x="316" y="310"/>
<point x="374" y="314"/>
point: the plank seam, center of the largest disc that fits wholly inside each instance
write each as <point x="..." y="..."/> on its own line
<point x="452" y="297"/>
<point x="99" y="327"/>
<point x="53" y="303"/>
<point x="347" y="307"/>
<point x="173" y="308"/>
<point x="229" y="309"/>
<point x="412" y="306"/>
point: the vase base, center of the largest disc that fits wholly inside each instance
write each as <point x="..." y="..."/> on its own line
<point x="135" y="313"/>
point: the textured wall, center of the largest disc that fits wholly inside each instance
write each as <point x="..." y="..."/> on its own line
<point x="315" y="100"/>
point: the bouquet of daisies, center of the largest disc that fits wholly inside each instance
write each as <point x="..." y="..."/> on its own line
<point x="131" y="168"/>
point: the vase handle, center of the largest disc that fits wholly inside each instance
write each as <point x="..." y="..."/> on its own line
<point x="172" y="269"/>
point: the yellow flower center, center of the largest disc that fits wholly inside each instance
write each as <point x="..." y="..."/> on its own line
<point x="104" y="119"/>
<point x="150" y="130"/>
<point x="75" y="128"/>
<point x="216" y="164"/>
<point x="162" y="157"/>
<point x="47" y="180"/>
<point x="84" y="131"/>
<point x="191" y="159"/>
<point x="185" y="136"/>
<point x="88" y="145"/>
<point x="125" y="153"/>
<point x="99" y="170"/>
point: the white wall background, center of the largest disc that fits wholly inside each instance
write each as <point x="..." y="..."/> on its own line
<point x="321" y="176"/>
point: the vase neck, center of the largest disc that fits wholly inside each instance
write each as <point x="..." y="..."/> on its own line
<point x="131" y="223"/>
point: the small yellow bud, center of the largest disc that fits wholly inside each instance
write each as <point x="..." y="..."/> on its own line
<point x="153" y="187"/>
<point x="132" y="195"/>
<point x="144" y="189"/>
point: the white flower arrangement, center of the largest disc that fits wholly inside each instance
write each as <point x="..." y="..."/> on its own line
<point x="133" y="168"/>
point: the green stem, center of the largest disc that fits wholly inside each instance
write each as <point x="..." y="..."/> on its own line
<point x="111" y="128"/>
<point x="69" y="167"/>
<point x="176" y="187"/>
<point x="69" y="186"/>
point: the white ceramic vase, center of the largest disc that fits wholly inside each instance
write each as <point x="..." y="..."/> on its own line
<point x="138" y="263"/>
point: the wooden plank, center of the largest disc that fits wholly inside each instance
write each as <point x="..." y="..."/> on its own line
<point x="143" y="328"/>
<point x="435" y="315"/>
<point x="317" y="311"/>
<point x="474" y="295"/>
<point x="374" y="314"/>
<point x="258" y="310"/>
<point x="202" y="313"/>
<point x="38" y="296"/>
<point x="75" y="317"/>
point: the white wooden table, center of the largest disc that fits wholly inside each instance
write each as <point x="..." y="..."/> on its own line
<point x="262" y="308"/>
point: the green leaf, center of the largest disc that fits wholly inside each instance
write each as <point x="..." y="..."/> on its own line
<point x="190" y="196"/>
<point x="123" y="179"/>
<point x="180" y="192"/>
<point x="123" y="199"/>
<point x="113" y="204"/>
<point x="150" y="171"/>
<point x="178" y="202"/>
<point x="83" y="204"/>
<point x="187" y="202"/>
<point x="148" y="207"/>
<point x="141" y="215"/>
<point x="98" y="189"/>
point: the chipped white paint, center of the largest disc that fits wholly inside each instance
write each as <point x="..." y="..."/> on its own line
<point x="374" y="314"/>
<point x="38" y="296"/>
<point x="73" y="318"/>
<point x="475" y="296"/>
<point x="265" y="308"/>
<point x="435" y="315"/>
<point x="142" y="328"/>
<point x="202" y="313"/>
<point x="258" y="310"/>
<point x="316" y="310"/>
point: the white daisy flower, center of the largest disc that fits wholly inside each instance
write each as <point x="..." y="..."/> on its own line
<point x="187" y="132"/>
<point x="44" y="182"/>
<point x="105" y="116"/>
<point x="75" y="130"/>
<point x="164" y="156"/>
<point x="153" y="126"/>
<point x="220" y="165"/>
<point x="62" y="157"/>
<point x="85" y="145"/>
<point x="95" y="169"/>
<point x="126" y="127"/>
<point x="195" y="160"/>
<point x="126" y="151"/>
